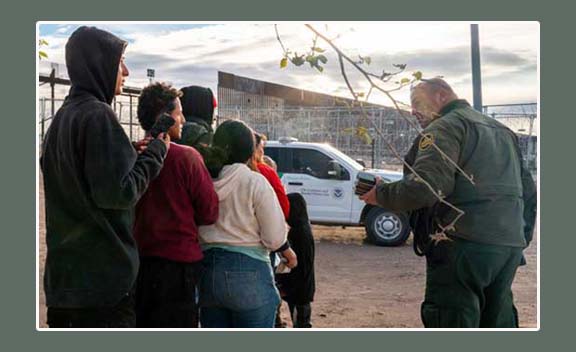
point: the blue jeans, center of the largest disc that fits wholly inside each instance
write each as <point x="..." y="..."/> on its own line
<point x="236" y="291"/>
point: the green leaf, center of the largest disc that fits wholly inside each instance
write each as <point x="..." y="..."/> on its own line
<point x="319" y="68"/>
<point x="297" y="60"/>
<point x="362" y="133"/>
<point x="318" y="50"/>
<point x="367" y="60"/>
<point x="312" y="60"/>
<point x="42" y="42"/>
<point x="42" y="54"/>
<point x="322" y="58"/>
<point x="284" y="62"/>
<point x="417" y="75"/>
<point x="405" y="81"/>
<point x="360" y="94"/>
<point x="367" y="139"/>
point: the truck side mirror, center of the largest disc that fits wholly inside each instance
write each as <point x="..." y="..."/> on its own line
<point x="335" y="170"/>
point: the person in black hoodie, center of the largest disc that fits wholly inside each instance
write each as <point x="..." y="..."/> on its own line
<point x="298" y="286"/>
<point x="198" y="104"/>
<point x="93" y="177"/>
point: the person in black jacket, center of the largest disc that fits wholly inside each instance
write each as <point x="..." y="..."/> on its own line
<point x="93" y="177"/>
<point x="298" y="286"/>
<point x="198" y="104"/>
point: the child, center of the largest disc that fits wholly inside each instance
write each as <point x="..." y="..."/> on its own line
<point x="297" y="287"/>
<point x="270" y="162"/>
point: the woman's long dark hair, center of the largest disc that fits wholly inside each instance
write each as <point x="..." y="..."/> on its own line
<point x="233" y="142"/>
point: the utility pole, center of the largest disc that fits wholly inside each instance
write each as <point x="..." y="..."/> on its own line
<point x="476" y="70"/>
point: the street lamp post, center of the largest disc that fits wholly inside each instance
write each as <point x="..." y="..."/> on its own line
<point x="150" y="73"/>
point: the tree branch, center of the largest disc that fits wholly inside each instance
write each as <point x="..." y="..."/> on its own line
<point x="342" y="55"/>
<point x="279" y="40"/>
<point x="343" y="71"/>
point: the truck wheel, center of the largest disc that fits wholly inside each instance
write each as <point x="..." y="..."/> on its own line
<point x="386" y="228"/>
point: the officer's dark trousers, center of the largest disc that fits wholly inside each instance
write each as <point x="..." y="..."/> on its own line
<point x="468" y="285"/>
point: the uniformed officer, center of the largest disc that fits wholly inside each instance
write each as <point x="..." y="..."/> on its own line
<point x="471" y="269"/>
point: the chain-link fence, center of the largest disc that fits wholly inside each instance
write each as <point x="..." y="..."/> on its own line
<point x="523" y="120"/>
<point x="335" y="125"/>
<point x="125" y="110"/>
<point x="53" y="89"/>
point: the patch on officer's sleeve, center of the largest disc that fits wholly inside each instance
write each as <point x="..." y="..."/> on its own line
<point x="426" y="141"/>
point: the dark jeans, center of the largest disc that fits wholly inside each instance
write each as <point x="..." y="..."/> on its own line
<point x="469" y="285"/>
<point x="300" y="314"/>
<point x="166" y="294"/>
<point x="237" y="291"/>
<point x="121" y="315"/>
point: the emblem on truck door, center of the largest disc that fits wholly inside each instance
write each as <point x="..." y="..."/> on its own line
<point x="338" y="192"/>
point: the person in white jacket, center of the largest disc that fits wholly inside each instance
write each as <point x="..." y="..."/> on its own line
<point x="237" y="289"/>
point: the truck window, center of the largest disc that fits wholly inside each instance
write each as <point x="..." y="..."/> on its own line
<point x="272" y="152"/>
<point x="310" y="162"/>
<point x="279" y="156"/>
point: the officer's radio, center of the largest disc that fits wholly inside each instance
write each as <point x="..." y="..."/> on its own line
<point x="364" y="183"/>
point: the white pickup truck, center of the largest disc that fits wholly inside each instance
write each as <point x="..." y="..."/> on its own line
<point x="325" y="177"/>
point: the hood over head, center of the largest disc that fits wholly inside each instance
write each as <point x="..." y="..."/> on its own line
<point x="198" y="102"/>
<point x="92" y="59"/>
<point x="298" y="211"/>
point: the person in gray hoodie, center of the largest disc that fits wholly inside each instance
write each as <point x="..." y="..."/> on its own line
<point x="237" y="289"/>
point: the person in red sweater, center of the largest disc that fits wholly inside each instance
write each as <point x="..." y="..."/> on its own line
<point x="270" y="174"/>
<point x="272" y="177"/>
<point x="167" y="217"/>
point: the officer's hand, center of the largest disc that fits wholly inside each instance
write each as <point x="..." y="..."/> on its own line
<point x="165" y="137"/>
<point x="290" y="256"/>
<point x="142" y="144"/>
<point x="370" y="196"/>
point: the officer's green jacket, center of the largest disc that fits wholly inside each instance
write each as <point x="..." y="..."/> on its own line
<point x="486" y="150"/>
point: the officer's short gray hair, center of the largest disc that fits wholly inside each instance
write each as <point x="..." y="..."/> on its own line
<point x="436" y="84"/>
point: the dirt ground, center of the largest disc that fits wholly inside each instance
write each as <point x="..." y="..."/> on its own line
<point x="365" y="286"/>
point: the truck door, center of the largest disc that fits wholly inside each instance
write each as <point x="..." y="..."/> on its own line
<point x="327" y="191"/>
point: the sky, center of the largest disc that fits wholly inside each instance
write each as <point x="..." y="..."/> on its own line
<point x="192" y="54"/>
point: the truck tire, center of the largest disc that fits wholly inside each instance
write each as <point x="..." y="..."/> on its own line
<point x="386" y="228"/>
